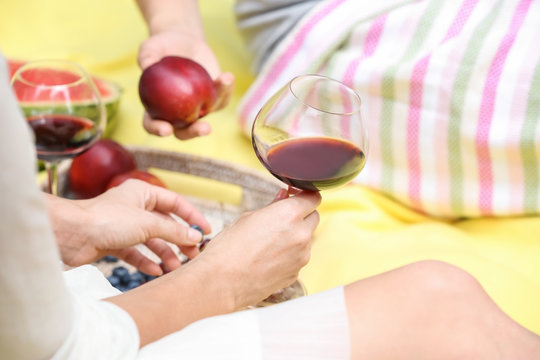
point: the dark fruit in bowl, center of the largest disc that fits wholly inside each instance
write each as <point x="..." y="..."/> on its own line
<point x="135" y="174"/>
<point x="91" y="172"/>
<point x="178" y="90"/>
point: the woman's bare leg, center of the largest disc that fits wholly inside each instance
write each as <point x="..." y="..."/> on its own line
<point x="432" y="310"/>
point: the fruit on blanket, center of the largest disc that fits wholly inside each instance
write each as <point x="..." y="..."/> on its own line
<point x="178" y="90"/>
<point x="135" y="174"/>
<point x="91" y="172"/>
<point x="109" y="91"/>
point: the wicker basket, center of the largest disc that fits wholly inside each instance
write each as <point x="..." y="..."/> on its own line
<point x="257" y="189"/>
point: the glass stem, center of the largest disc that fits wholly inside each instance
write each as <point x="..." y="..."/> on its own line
<point x="52" y="185"/>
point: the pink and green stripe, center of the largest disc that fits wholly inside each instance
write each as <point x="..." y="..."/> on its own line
<point x="415" y="105"/>
<point x="487" y="107"/>
<point x="425" y="22"/>
<point x="458" y="98"/>
<point x="529" y="154"/>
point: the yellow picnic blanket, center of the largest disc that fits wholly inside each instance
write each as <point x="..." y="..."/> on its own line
<point x="361" y="232"/>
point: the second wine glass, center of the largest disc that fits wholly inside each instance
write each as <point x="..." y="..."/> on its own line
<point x="63" y="107"/>
<point x="310" y="135"/>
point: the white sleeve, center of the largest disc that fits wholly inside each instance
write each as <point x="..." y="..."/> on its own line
<point x="35" y="310"/>
<point x="101" y="330"/>
<point x="39" y="317"/>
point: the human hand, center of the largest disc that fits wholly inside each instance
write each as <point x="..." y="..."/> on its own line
<point x="183" y="44"/>
<point x="263" y="250"/>
<point x="113" y="223"/>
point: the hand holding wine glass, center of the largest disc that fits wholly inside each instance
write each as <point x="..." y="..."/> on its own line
<point x="62" y="106"/>
<point x="310" y="135"/>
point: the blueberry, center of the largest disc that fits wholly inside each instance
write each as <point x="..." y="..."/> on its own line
<point x="132" y="285"/>
<point x="138" y="277"/>
<point x="198" y="228"/>
<point x="162" y="266"/>
<point x="121" y="273"/>
<point x="110" y="259"/>
<point x="148" y="277"/>
<point x="203" y="244"/>
<point x="114" y="280"/>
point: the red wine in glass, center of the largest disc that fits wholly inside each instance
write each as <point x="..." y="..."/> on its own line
<point x="59" y="136"/>
<point x="314" y="163"/>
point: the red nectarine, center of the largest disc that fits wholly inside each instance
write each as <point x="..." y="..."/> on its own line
<point x="91" y="172"/>
<point x="178" y="90"/>
<point x="136" y="174"/>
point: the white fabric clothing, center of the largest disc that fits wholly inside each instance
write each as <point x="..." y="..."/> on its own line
<point x="101" y="329"/>
<point x="39" y="317"/>
<point x="35" y="311"/>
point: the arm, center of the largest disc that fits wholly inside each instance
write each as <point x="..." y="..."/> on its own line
<point x="130" y="214"/>
<point x="173" y="15"/>
<point x="175" y="28"/>
<point x="260" y="253"/>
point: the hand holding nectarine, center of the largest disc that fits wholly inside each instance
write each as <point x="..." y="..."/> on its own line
<point x="187" y="45"/>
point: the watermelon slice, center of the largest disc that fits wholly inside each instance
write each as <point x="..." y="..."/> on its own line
<point x="110" y="91"/>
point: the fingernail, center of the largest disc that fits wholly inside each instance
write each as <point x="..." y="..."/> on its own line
<point x="194" y="235"/>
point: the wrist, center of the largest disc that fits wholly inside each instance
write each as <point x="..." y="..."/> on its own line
<point x="172" y="15"/>
<point x="212" y="279"/>
<point x="67" y="219"/>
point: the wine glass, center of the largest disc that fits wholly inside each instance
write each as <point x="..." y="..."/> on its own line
<point x="63" y="107"/>
<point x="310" y="135"/>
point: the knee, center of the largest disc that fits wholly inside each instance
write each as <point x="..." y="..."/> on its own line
<point x="431" y="278"/>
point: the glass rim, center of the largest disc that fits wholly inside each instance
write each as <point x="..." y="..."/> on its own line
<point x="83" y="75"/>
<point x="357" y="109"/>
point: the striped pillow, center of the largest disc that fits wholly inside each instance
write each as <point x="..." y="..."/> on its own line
<point x="450" y="90"/>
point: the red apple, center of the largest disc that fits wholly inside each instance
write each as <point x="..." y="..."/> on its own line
<point x="177" y="90"/>
<point x="136" y="174"/>
<point x="91" y="172"/>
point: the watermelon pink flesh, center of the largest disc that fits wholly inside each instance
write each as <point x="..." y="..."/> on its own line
<point x="55" y="77"/>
